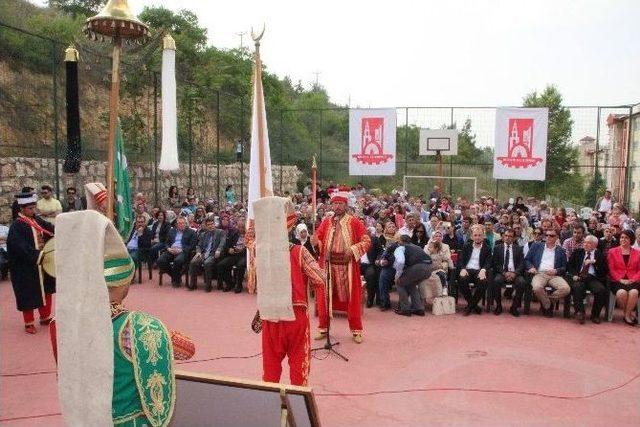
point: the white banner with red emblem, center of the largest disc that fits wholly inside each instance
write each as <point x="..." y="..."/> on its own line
<point x="521" y="144"/>
<point x="372" y="141"/>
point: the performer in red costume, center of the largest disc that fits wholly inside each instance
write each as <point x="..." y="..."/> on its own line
<point x="291" y="338"/>
<point x="342" y="240"/>
<point x="32" y="286"/>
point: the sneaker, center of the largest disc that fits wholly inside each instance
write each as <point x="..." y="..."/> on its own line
<point x="30" y="329"/>
<point x="357" y="338"/>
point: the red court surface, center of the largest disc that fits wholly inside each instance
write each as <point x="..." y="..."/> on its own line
<point x="450" y="370"/>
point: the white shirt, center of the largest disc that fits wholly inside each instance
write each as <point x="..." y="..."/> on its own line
<point x="605" y="205"/>
<point x="474" y="260"/>
<point x="511" y="266"/>
<point x="548" y="259"/>
<point x="590" y="255"/>
<point x="405" y="231"/>
<point x="398" y="264"/>
<point x="364" y="259"/>
<point x="4" y="232"/>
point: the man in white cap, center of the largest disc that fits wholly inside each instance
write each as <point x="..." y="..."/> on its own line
<point x="32" y="286"/>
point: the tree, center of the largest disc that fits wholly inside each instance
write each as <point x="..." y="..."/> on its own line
<point x="596" y="187"/>
<point x="78" y="7"/>
<point x="562" y="157"/>
<point x="468" y="153"/>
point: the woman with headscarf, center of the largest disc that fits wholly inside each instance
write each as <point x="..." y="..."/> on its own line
<point x="440" y="254"/>
<point x="301" y="237"/>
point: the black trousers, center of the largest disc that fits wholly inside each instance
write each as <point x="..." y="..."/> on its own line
<point x="4" y="264"/>
<point x="465" y="289"/>
<point x="495" y="289"/>
<point x="371" y="273"/>
<point x="225" y="267"/>
<point x="175" y="269"/>
<point x="579" y="291"/>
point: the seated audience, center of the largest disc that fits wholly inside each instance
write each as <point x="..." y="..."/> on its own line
<point x="441" y="264"/>
<point x="139" y="239"/>
<point x="547" y="263"/>
<point x="236" y="256"/>
<point x="181" y="242"/>
<point x="474" y="266"/>
<point x="211" y="241"/>
<point x="587" y="269"/>
<point x="507" y="268"/>
<point x="624" y="275"/>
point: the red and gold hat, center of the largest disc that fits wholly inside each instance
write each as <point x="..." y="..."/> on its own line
<point x="340" y="197"/>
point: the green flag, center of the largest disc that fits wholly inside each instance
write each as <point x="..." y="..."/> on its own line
<point x="123" y="205"/>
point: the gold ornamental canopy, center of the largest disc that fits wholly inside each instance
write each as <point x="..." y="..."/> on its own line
<point x="116" y="20"/>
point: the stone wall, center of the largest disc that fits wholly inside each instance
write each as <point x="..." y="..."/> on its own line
<point x="17" y="172"/>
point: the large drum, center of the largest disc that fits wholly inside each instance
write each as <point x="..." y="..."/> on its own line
<point x="48" y="260"/>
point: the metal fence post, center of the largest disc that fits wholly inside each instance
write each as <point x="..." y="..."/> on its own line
<point x="282" y="148"/>
<point x="190" y="133"/>
<point x="242" y="141"/>
<point x="155" y="138"/>
<point x="218" y="147"/>
<point x="320" y="166"/>
<point x="627" y="178"/>
<point x="54" y="65"/>
<point x="451" y="160"/>
<point x="406" y="139"/>
<point x="597" y="153"/>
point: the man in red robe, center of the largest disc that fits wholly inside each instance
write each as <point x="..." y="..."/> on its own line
<point x="342" y="241"/>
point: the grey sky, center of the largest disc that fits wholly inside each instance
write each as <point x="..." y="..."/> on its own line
<point x="440" y="53"/>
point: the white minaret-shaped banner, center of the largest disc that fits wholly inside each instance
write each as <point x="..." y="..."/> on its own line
<point x="169" y="152"/>
<point x="260" y="179"/>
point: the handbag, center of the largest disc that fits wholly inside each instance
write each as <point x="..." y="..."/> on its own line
<point x="444" y="305"/>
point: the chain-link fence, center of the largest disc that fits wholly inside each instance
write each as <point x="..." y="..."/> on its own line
<point x="210" y="123"/>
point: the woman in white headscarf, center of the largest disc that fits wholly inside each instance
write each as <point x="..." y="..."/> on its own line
<point x="301" y="233"/>
<point x="440" y="254"/>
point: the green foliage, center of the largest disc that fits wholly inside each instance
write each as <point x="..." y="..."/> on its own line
<point x="31" y="51"/>
<point x="596" y="187"/>
<point x="562" y="157"/>
<point x="76" y="8"/>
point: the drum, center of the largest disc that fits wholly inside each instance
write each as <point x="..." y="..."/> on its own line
<point x="48" y="261"/>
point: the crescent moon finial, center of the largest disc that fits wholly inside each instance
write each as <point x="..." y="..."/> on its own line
<point x="259" y="36"/>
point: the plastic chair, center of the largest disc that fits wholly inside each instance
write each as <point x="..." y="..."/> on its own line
<point x="611" y="307"/>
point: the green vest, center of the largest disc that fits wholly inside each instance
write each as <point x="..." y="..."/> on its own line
<point x="143" y="383"/>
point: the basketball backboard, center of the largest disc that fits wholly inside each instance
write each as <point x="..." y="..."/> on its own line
<point x="434" y="140"/>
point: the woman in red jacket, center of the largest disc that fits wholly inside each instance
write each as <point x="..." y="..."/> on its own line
<point x="624" y="274"/>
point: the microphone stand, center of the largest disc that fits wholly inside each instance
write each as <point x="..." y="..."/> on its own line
<point x="328" y="345"/>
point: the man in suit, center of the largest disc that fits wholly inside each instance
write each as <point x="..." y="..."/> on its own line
<point x="464" y="232"/>
<point x="474" y="266"/>
<point x="139" y="239"/>
<point x="547" y="263"/>
<point x="180" y="243"/>
<point x="588" y="270"/>
<point x="370" y="270"/>
<point x="507" y="267"/>
<point x="208" y="250"/>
